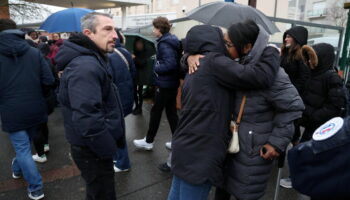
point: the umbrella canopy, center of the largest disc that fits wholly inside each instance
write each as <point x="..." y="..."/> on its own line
<point x="67" y="20"/>
<point x="225" y="13"/>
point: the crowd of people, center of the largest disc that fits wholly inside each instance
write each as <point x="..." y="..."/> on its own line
<point x="223" y="79"/>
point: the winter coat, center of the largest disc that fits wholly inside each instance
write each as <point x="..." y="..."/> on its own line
<point x="267" y="118"/>
<point x="166" y="67"/>
<point x="297" y="71"/>
<point x="200" y="143"/>
<point x="54" y="50"/>
<point x="123" y="77"/>
<point x="91" y="106"/>
<point x="324" y="96"/>
<point x="320" y="169"/>
<point x="142" y="69"/>
<point x="24" y="71"/>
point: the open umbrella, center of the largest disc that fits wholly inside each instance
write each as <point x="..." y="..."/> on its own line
<point x="225" y="13"/>
<point x="67" y="20"/>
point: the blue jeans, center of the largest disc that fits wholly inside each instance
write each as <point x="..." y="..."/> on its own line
<point x="182" y="190"/>
<point x="122" y="158"/>
<point x="23" y="162"/>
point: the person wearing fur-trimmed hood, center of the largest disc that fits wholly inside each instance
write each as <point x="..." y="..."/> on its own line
<point x="324" y="96"/>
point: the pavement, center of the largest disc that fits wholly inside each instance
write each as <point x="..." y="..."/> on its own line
<point x="143" y="182"/>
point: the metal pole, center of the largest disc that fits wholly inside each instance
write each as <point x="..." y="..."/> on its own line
<point x="252" y="3"/>
<point x="123" y="17"/>
<point x="199" y="2"/>
<point x="275" y="13"/>
<point x="344" y="55"/>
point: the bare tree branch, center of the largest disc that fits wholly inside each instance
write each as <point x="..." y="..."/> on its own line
<point x="337" y="13"/>
<point x="25" y="11"/>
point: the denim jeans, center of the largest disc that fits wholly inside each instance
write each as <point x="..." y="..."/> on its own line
<point x="181" y="190"/>
<point x="23" y="162"/>
<point x="122" y="158"/>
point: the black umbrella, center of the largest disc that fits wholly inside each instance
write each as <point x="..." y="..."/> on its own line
<point x="225" y="13"/>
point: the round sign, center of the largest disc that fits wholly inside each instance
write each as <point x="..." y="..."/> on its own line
<point x="328" y="129"/>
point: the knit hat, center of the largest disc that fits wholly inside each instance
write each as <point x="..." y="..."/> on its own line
<point x="299" y="33"/>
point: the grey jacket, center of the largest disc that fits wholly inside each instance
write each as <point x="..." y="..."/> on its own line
<point x="268" y="118"/>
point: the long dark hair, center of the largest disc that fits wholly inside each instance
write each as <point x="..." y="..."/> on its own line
<point x="136" y="51"/>
<point x="293" y="52"/>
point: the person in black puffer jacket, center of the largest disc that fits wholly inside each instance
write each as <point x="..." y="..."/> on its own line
<point x="292" y="63"/>
<point x="324" y="96"/>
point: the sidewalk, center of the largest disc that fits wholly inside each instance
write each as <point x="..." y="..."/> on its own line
<point x="143" y="182"/>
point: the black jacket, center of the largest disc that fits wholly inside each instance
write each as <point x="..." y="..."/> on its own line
<point x="320" y="169"/>
<point x="297" y="71"/>
<point x="23" y="73"/>
<point x="324" y="96"/>
<point x="92" y="111"/>
<point x="201" y="140"/>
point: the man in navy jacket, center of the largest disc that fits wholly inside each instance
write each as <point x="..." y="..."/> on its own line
<point x="24" y="75"/>
<point x="92" y="111"/>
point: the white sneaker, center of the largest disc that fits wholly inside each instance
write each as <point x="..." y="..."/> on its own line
<point x="40" y="159"/>
<point x="286" y="183"/>
<point x="46" y="148"/>
<point x="116" y="169"/>
<point x="168" y="145"/>
<point x="142" y="144"/>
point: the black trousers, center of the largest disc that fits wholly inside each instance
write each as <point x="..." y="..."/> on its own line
<point x="98" y="174"/>
<point x="138" y="98"/>
<point x="221" y="194"/>
<point x="164" y="98"/>
<point x="40" y="138"/>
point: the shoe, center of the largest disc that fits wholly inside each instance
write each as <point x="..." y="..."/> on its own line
<point x="142" y="144"/>
<point x="46" y="148"/>
<point x="16" y="175"/>
<point x="40" y="159"/>
<point x="137" y="111"/>
<point x="168" y="145"/>
<point x="164" y="167"/>
<point x="116" y="169"/>
<point x="39" y="194"/>
<point x="286" y="183"/>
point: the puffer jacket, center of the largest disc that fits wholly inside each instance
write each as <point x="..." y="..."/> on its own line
<point x="201" y="139"/>
<point x="268" y="118"/>
<point x="166" y="68"/>
<point x="324" y="95"/>
<point x="91" y="106"/>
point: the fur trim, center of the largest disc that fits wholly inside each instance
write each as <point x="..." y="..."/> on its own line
<point x="309" y="56"/>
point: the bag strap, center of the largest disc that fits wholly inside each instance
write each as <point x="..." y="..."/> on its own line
<point x="241" y="109"/>
<point x="123" y="57"/>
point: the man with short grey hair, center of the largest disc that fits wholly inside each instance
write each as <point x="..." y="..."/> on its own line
<point x="93" y="116"/>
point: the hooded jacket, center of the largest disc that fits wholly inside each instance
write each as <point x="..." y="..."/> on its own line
<point x="324" y="96"/>
<point x="299" y="33"/>
<point x="166" y="68"/>
<point x="200" y="143"/>
<point x="23" y="73"/>
<point x="297" y="71"/>
<point x="91" y="106"/>
<point x="267" y="119"/>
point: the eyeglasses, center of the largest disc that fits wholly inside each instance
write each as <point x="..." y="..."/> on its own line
<point x="228" y="44"/>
